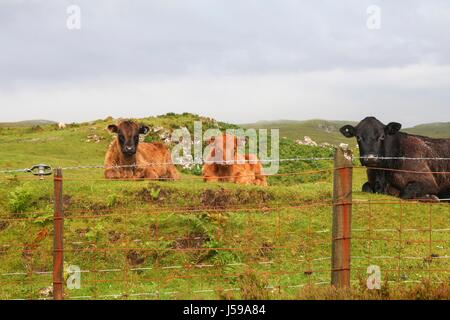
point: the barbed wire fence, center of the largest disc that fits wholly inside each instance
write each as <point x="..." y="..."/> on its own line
<point x="308" y="245"/>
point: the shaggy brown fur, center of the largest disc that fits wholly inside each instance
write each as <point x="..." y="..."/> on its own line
<point x="224" y="148"/>
<point x="126" y="150"/>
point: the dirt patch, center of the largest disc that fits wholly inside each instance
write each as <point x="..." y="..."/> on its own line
<point x="153" y="193"/>
<point x="266" y="249"/>
<point x="97" y="207"/>
<point x="134" y="258"/>
<point x="223" y="198"/>
<point x="144" y="195"/>
<point x="217" y="198"/>
<point x="192" y="241"/>
<point x="3" y="225"/>
<point x="82" y="232"/>
<point x="114" y="236"/>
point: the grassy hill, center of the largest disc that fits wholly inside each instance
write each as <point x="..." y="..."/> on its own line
<point x="27" y="123"/>
<point x="319" y="130"/>
<point x="328" y="131"/>
<point x="437" y="130"/>
<point x="86" y="143"/>
<point x="192" y="240"/>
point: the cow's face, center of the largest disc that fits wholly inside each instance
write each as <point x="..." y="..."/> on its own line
<point x="128" y="136"/>
<point x="372" y="137"/>
<point x="223" y="148"/>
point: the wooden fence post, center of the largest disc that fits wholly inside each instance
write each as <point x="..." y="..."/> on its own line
<point x="58" y="224"/>
<point x="342" y="218"/>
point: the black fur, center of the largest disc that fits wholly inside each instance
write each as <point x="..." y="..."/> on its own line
<point x="376" y="140"/>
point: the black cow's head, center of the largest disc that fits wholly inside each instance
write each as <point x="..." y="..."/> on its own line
<point x="373" y="138"/>
<point x="128" y="135"/>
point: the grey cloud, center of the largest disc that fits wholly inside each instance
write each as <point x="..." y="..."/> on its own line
<point x="142" y="38"/>
<point x="225" y="58"/>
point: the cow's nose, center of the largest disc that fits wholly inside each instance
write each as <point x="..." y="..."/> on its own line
<point x="370" y="159"/>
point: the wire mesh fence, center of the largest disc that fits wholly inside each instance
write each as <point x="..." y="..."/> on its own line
<point x="133" y="246"/>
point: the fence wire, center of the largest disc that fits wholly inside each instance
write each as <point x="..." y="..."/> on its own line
<point x="163" y="263"/>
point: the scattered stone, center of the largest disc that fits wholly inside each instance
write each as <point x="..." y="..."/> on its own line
<point x="307" y="141"/>
<point x="94" y="138"/>
<point x="46" y="292"/>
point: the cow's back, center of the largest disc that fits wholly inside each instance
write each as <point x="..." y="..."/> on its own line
<point x="415" y="146"/>
<point x="155" y="154"/>
<point x="430" y="149"/>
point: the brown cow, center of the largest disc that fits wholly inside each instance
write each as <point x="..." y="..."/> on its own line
<point x="223" y="150"/>
<point x="136" y="160"/>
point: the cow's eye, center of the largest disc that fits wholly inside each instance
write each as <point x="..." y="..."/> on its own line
<point x="136" y="139"/>
<point x="121" y="138"/>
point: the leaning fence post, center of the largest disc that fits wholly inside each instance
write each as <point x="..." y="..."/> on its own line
<point x="342" y="218"/>
<point x="58" y="224"/>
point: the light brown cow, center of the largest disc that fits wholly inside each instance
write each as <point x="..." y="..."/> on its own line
<point x="136" y="160"/>
<point x="223" y="165"/>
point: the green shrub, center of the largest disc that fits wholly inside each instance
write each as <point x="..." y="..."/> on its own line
<point x="291" y="150"/>
<point x="45" y="218"/>
<point x="112" y="200"/>
<point x="20" y="199"/>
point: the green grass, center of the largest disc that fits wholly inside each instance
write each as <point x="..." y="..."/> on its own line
<point x="166" y="240"/>
<point x="436" y="130"/>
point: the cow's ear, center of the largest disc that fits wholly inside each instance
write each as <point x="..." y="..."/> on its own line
<point x="144" y="129"/>
<point x="393" y="127"/>
<point x="348" y="131"/>
<point x="113" y="128"/>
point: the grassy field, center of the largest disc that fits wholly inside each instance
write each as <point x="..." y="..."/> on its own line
<point x="191" y="240"/>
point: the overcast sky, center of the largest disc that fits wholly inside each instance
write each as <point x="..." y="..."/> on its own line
<point x="234" y="60"/>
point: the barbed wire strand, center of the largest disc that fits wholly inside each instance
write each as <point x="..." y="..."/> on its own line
<point x="183" y="163"/>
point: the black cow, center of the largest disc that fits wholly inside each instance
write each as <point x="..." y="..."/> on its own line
<point x="377" y="141"/>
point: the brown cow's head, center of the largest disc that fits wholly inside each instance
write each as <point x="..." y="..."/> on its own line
<point x="128" y="135"/>
<point x="224" y="148"/>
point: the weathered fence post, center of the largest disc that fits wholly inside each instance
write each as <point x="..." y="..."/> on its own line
<point x="342" y="218"/>
<point x="58" y="224"/>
